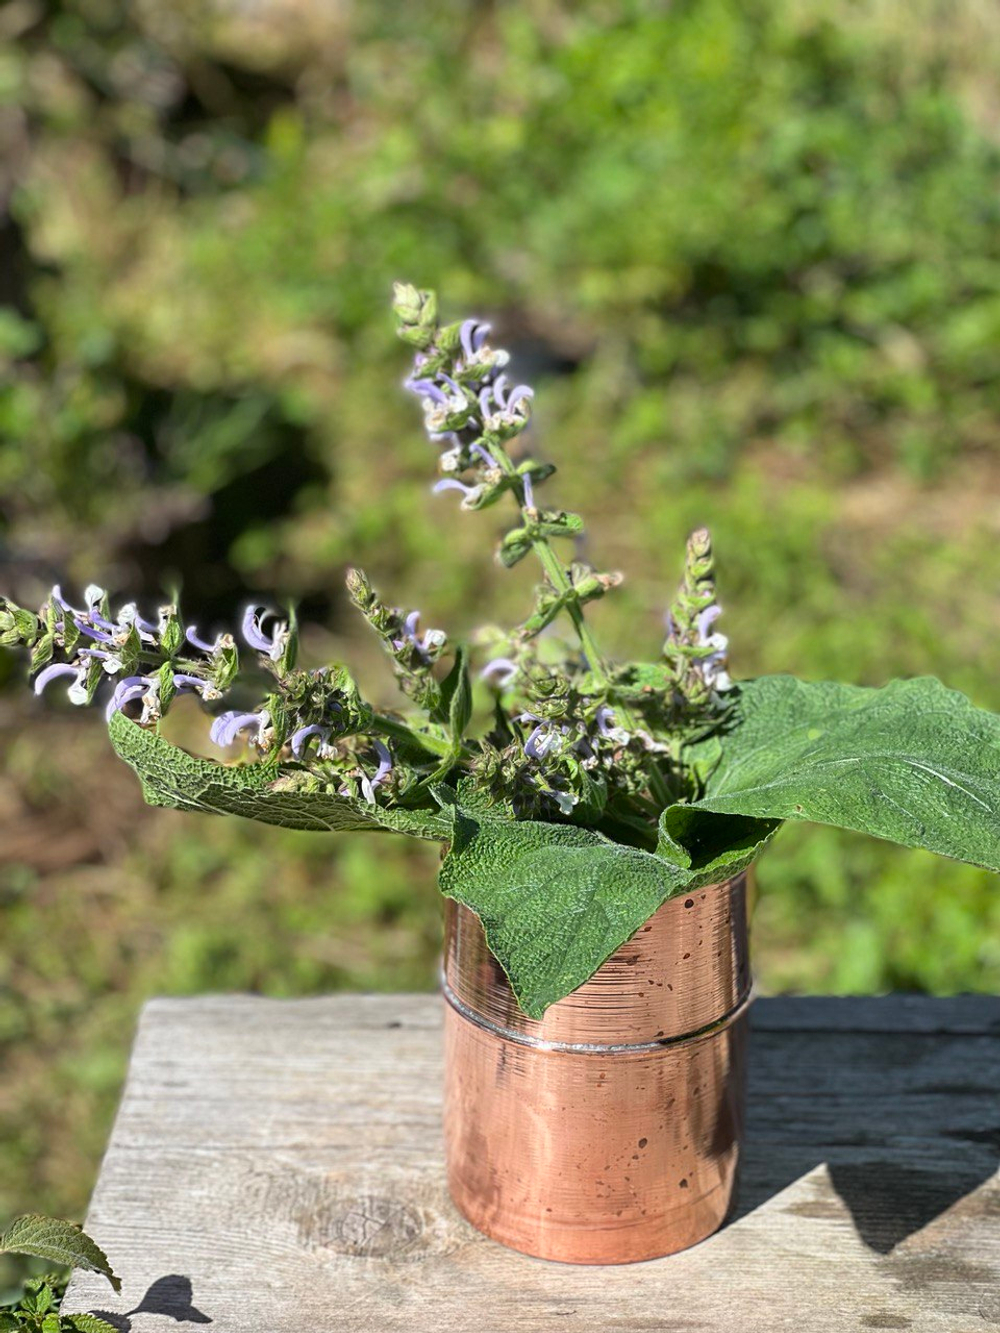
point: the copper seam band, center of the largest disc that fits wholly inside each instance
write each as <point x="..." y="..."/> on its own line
<point x="593" y="1048"/>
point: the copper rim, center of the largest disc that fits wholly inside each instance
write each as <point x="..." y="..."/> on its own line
<point x="609" y="1130"/>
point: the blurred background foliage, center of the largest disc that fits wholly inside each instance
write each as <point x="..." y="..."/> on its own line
<point x="749" y="252"/>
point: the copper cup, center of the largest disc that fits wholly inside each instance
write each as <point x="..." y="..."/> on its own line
<point x="609" y="1130"/>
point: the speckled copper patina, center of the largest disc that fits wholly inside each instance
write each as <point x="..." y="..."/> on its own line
<point x="609" y="1130"/>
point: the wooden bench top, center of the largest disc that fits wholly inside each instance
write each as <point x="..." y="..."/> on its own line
<point x="276" y="1167"/>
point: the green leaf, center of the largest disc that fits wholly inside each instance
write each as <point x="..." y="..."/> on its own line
<point x="88" y="1323"/>
<point x="710" y="847"/>
<point x="59" y="1243"/>
<point x="9" y="1322"/>
<point x="290" y="798"/>
<point x="912" y="762"/>
<point x="456" y="695"/>
<point x="42" y="652"/>
<point x="555" y="901"/>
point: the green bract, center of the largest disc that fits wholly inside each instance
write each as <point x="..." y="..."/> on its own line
<point x="574" y="796"/>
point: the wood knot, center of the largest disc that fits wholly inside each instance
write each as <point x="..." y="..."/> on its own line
<point x="373" y="1227"/>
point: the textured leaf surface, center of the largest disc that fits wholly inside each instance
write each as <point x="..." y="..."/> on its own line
<point x="58" y="1243"/>
<point x="912" y="762"/>
<point x="555" y="901"/>
<point x="89" y="1323"/>
<point x="172" y="777"/>
<point x="710" y="847"/>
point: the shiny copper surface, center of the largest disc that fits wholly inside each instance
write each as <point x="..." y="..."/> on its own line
<point x="609" y="1130"/>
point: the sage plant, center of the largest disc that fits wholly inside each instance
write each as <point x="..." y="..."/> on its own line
<point x="573" y="794"/>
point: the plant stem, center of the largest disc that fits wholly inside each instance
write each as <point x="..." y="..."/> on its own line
<point x="559" y="579"/>
<point x="556" y="572"/>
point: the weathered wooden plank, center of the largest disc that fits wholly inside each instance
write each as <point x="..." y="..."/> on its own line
<point x="279" y="1164"/>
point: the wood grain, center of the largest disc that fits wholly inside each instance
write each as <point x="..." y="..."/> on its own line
<point x="276" y="1166"/>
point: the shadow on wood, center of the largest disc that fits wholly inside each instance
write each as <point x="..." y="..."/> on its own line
<point x="171" y="1295"/>
<point x="904" y="1118"/>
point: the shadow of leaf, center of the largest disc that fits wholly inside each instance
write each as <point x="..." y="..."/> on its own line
<point x="171" y="1296"/>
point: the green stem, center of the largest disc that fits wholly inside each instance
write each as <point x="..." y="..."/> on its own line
<point x="556" y="572"/>
<point x="559" y="579"/>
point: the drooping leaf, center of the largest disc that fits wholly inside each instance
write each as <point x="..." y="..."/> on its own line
<point x="555" y="901"/>
<point x="291" y="798"/>
<point x="88" y="1323"/>
<point x="59" y="1243"/>
<point x="710" y="847"/>
<point x="912" y="762"/>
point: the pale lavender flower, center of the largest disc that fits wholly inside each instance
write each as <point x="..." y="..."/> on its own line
<point x="529" y="492"/>
<point x="605" y="719"/>
<point x="546" y="739"/>
<point x="445" y="410"/>
<point x="472" y="335"/>
<point x="368" y="785"/>
<point x="191" y="634"/>
<point x="713" y="667"/>
<point x="476" y="356"/>
<point x="505" y="412"/>
<point x="431" y="643"/>
<point x="126" y="691"/>
<point x="300" y="737"/>
<point x="471" y="494"/>
<point x="227" y="726"/>
<point x="77" y="691"/>
<point x="253" y="632"/>
<point x="500" y="672"/>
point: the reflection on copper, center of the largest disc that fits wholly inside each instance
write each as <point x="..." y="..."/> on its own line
<point x="609" y="1130"/>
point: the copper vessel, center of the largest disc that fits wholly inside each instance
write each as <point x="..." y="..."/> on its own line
<point x="608" y="1131"/>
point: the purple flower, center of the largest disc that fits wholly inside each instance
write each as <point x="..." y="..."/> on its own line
<point x="202" y="645"/>
<point x="368" y="785"/>
<point x="253" y="632"/>
<point x="126" y="691"/>
<point x="713" y="666"/>
<point x="546" y="739"/>
<point x="529" y="492"/>
<point x="91" y="633"/>
<point x="504" y="669"/>
<point x="77" y="691"/>
<point x="300" y="737"/>
<point x="426" y="389"/>
<point x="471" y="494"/>
<point x="475" y="354"/>
<point x="472" y="335"/>
<point x="605" y="719"/>
<point x="129" y="615"/>
<point x="227" y="726"/>
<point x="432" y="642"/>
<point x="505" y="412"/>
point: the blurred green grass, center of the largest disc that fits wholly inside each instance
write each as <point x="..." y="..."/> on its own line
<point x="749" y="255"/>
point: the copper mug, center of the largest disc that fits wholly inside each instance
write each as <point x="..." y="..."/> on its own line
<point x="609" y="1130"/>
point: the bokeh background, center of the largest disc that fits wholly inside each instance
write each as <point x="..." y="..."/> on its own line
<point x="747" y="250"/>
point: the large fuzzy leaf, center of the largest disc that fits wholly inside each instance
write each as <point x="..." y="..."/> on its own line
<point x="555" y="901"/>
<point x="172" y="777"/>
<point x="57" y="1242"/>
<point x="911" y="762"/>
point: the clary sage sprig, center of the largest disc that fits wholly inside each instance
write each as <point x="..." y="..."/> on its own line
<point x="574" y="794"/>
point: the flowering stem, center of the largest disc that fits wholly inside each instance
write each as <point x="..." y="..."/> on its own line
<point x="556" y="572"/>
<point x="559" y="579"/>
